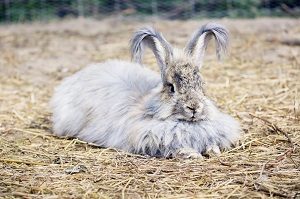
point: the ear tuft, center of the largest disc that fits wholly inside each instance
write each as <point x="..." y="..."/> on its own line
<point x="153" y="39"/>
<point x="199" y="41"/>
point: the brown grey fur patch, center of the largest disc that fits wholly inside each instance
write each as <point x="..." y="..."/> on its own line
<point x="188" y="92"/>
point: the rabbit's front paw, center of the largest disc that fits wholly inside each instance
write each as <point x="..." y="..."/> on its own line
<point x="188" y="153"/>
<point x="213" y="150"/>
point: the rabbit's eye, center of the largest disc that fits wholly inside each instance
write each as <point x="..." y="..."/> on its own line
<point x="171" y="88"/>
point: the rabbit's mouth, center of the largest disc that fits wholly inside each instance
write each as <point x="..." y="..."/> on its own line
<point x="192" y="119"/>
<point x="185" y="116"/>
<point x="194" y="116"/>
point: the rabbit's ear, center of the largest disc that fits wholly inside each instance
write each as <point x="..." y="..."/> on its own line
<point x="156" y="42"/>
<point x="197" y="45"/>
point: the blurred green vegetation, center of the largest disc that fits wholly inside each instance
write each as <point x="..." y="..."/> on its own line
<point x="29" y="10"/>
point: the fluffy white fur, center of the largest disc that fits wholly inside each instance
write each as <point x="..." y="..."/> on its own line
<point x="106" y="104"/>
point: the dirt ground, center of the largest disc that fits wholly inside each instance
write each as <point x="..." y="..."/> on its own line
<point x="258" y="83"/>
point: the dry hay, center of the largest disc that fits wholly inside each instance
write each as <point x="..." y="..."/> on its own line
<point x="259" y="83"/>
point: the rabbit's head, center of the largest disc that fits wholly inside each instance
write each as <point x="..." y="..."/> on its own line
<point x="182" y="90"/>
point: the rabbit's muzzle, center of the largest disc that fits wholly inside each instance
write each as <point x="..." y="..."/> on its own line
<point x="194" y="111"/>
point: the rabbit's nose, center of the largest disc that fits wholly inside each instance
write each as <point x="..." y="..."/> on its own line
<point x="192" y="109"/>
<point x="195" y="109"/>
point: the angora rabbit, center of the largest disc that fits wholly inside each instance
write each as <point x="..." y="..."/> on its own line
<point x="124" y="105"/>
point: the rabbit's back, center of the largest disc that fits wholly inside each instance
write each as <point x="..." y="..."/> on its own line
<point x="88" y="102"/>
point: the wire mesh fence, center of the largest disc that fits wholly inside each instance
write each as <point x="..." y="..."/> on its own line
<point x="29" y="10"/>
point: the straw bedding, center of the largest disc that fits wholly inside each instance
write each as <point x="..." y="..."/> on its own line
<point x="258" y="83"/>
